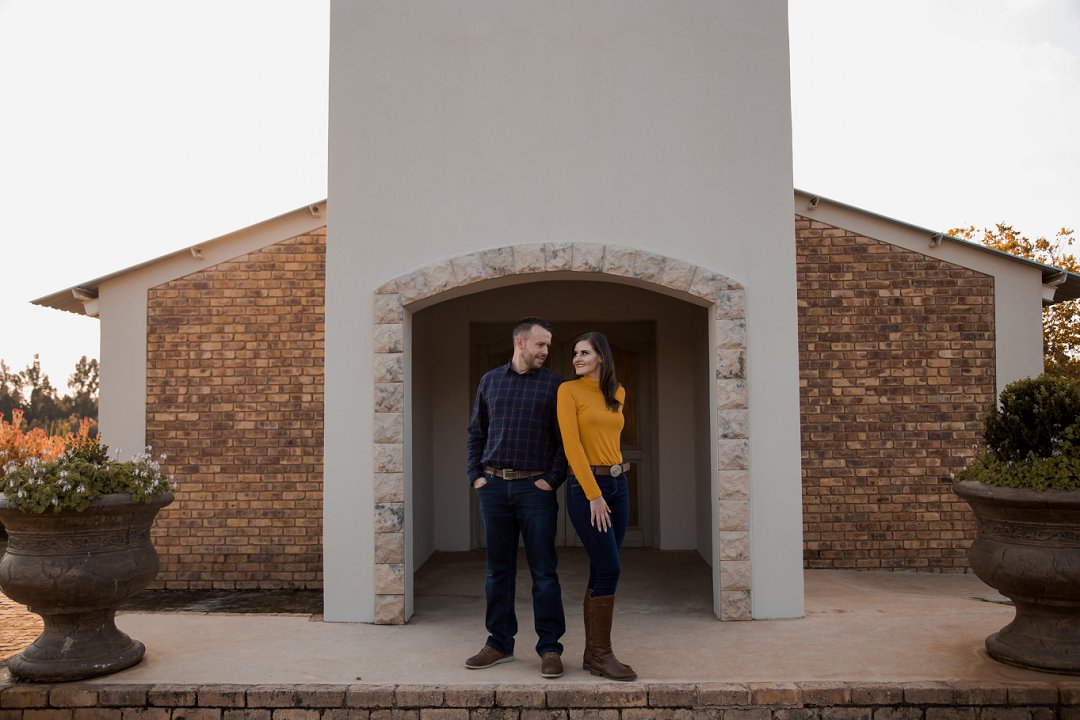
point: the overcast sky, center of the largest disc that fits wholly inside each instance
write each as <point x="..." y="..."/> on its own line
<point x="129" y="129"/>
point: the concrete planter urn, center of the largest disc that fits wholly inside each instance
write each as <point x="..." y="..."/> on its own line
<point x="73" y="568"/>
<point x="1028" y="548"/>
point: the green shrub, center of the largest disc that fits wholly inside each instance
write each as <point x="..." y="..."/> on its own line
<point x="1033" y="439"/>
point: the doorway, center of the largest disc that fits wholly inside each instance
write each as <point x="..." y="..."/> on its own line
<point x="633" y="347"/>
<point x="452" y="342"/>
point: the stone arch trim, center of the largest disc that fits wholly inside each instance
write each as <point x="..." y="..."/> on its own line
<point x="726" y="300"/>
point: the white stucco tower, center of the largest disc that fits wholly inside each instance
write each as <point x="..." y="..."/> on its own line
<point x="616" y="161"/>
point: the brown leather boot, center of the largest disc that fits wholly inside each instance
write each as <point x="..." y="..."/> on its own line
<point x="604" y="662"/>
<point x="586" y="657"/>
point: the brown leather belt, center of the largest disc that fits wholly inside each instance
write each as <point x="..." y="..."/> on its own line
<point x="509" y="474"/>
<point x="608" y="469"/>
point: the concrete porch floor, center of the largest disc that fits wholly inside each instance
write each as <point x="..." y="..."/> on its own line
<point x="859" y="627"/>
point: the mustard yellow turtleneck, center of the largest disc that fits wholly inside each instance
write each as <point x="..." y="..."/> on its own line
<point x="590" y="432"/>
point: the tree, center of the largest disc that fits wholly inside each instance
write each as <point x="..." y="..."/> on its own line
<point x="11" y="390"/>
<point x="44" y="403"/>
<point x="84" y="386"/>
<point x="1061" y="322"/>
<point x="31" y="392"/>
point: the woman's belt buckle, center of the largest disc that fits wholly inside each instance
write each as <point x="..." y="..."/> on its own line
<point x="616" y="470"/>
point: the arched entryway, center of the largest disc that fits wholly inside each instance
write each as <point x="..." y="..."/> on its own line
<point x="698" y="332"/>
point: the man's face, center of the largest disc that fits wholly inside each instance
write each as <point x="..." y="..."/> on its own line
<point x="533" y="347"/>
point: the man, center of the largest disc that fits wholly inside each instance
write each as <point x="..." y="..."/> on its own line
<point x="516" y="462"/>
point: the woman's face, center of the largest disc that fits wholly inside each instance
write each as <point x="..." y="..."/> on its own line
<point x="586" y="360"/>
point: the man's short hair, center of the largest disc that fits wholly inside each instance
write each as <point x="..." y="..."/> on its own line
<point x="525" y="325"/>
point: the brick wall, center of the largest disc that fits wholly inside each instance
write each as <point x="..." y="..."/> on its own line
<point x="896" y="358"/>
<point x="235" y="400"/>
<point x="896" y="367"/>
<point x="1043" y="699"/>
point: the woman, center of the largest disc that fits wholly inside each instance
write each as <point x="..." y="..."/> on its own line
<point x="590" y="411"/>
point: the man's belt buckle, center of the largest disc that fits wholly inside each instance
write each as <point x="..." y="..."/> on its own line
<point x="616" y="470"/>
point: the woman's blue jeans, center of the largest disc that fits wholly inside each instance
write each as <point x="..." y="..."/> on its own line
<point x="510" y="508"/>
<point x="602" y="547"/>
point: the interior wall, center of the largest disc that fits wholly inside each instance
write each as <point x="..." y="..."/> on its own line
<point x="420" y="444"/>
<point x="679" y="442"/>
<point x="702" y="407"/>
<point x="441" y="354"/>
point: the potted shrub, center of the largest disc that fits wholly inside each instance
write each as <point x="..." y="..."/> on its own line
<point x="1024" y="487"/>
<point x="78" y="524"/>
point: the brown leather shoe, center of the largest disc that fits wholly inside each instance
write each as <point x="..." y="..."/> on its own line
<point x="487" y="657"/>
<point x="551" y="665"/>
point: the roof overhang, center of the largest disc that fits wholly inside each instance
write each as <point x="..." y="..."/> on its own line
<point x="82" y="299"/>
<point x="1058" y="285"/>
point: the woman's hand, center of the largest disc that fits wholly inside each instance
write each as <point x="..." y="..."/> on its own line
<point x="600" y="514"/>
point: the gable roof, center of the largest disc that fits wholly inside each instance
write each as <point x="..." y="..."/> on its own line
<point x="1061" y="284"/>
<point x="78" y="298"/>
<point x="1065" y="285"/>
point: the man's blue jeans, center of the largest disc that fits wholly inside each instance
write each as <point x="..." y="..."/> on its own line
<point x="510" y="508"/>
<point x="602" y="547"/>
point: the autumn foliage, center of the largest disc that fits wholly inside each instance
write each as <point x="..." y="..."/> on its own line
<point x="1061" y="321"/>
<point x="18" y="443"/>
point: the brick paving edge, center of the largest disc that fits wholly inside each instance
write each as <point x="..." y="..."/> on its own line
<point x="548" y="701"/>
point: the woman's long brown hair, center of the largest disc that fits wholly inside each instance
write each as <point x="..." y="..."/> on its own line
<point x="608" y="383"/>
